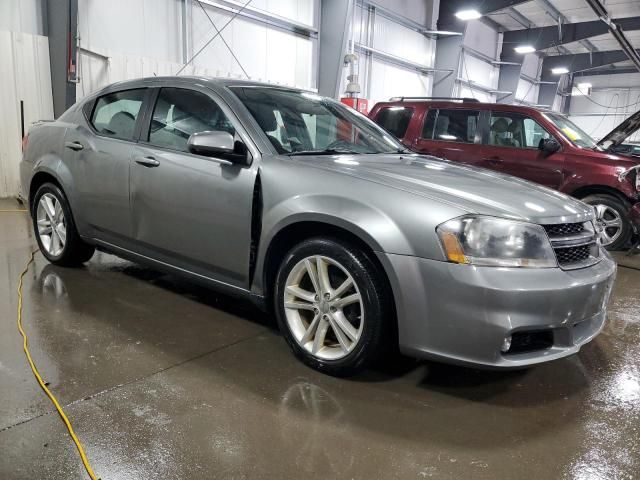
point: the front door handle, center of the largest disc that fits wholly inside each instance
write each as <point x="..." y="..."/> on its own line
<point x="147" y="161"/>
<point x="74" y="145"/>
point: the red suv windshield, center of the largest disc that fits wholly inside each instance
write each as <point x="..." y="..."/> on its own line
<point x="571" y="131"/>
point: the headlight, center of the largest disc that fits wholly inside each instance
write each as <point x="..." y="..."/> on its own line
<point x="496" y="242"/>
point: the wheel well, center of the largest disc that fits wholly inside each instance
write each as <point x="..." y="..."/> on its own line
<point x="293" y="234"/>
<point x="37" y="181"/>
<point x="599" y="190"/>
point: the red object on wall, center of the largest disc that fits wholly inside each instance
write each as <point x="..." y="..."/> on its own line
<point x="359" y="104"/>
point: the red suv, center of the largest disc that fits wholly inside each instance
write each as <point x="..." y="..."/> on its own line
<point x="538" y="145"/>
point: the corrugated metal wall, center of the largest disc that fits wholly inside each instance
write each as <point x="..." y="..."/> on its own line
<point x="148" y="40"/>
<point x="611" y="101"/>
<point x="381" y="79"/>
<point x="24" y="75"/>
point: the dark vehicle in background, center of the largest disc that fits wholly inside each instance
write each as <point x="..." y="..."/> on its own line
<point x="538" y="145"/>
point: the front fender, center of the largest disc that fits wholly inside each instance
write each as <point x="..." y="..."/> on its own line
<point x="369" y="224"/>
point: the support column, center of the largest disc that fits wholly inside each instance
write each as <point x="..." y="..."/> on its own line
<point x="62" y="25"/>
<point x="509" y="75"/>
<point x="448" y="51"/>
<point x="335" y="23"/>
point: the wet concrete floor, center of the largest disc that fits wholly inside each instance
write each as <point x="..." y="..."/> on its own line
<point x="165" y="380"/>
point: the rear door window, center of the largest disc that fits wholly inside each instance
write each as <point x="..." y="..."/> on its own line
<point x="115" y="114"/>
<point x="395" y="120"/>
<point x="455" y="125"/>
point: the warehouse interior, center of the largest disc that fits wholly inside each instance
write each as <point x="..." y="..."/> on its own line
<point x="164" y="378"/>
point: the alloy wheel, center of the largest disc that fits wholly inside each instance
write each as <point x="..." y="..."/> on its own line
<point x="609" y="222"/>
<point x="52" y="228"/>
<point x="323" y="307"/>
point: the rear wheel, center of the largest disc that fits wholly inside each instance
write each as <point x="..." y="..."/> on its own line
<point x="331" y="306"/>
<point x="55" y="231"/>
<point x="612" y="219"/>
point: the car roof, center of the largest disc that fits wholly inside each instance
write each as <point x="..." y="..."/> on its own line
<point x="462" y="103"/>
<point x="210" y="81"/>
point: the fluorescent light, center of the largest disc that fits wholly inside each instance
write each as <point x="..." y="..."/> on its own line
<point x="442" y="32"/>
<point x="525" y="49"/>
<point x="584" y="86"/>
<point x="468" y="15"/>
<point x="559" y="70"/>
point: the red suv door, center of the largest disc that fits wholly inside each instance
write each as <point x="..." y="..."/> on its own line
<point x="451" y="133"/>
<point x="511" y="146"/>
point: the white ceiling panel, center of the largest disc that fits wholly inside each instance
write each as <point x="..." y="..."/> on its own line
<point x="535" y="13"/>
<point x="506" y="20"/>
<point x="574" y="10"/>
<point x="623" y="8"/>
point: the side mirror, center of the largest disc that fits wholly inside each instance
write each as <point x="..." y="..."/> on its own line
<point x="211" y="143"/>
<point x="549" y="145"/>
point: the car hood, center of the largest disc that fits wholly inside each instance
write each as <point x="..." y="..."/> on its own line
<point x="471" y="189"/>
<point x="621" y="132"/>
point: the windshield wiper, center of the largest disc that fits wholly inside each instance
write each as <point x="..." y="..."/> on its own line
<point x="328" y="151"/>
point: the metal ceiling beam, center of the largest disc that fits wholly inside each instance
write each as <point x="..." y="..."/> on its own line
<point x="520" y="18"/>
<point x="608" y="71"/>
<point x="448" y="8"/>
<point x="581" y="61"/>
<point x="547" y="37"/>
<point x="616" y="31"/>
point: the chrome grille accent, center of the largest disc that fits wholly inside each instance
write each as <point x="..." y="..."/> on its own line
<point x="575" y="244"/>
<point x="564" y="229"/>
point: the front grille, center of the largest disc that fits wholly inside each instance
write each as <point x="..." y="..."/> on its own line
<point x="575" y="244"/>
<point x="564" y="229"/>
<point x="569" y="255"/>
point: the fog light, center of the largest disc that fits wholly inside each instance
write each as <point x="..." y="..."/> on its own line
<point x="506" y="344"/>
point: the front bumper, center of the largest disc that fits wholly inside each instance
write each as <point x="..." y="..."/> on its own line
<point x="462" y="313"/>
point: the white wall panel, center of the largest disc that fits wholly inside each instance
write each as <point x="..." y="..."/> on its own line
<point x="613" y="99"/>
<point x="21" y="16"/>
<point x="131" y="27"/>
<point x="143" y="37"/>
<point x="391" y="81"/>
<point x="302" y="11"/>
<point x="391" y="37"/>
<point x="24" y="75"/>
<point x="481" y="38"/>
<point x="530" y="65"/>
<point x="478" y="71"/>
<point x="527" y="91"/>
<point x="464" y="91"/>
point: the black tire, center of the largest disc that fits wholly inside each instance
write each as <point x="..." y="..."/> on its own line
<point x="75" y="251"/>
<point x="622" y="209"/>
<point x="373" y="290"/>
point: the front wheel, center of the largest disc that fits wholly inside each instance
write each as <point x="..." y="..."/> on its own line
<point x="331" y="305"/>
<point x="612" y="216"/>
<point x="55" y="231"/>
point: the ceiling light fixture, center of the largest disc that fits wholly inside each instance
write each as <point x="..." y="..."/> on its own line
<point x="468" y="15"/>
<point x="525" y="49"/>
<point x="559" y="70"/>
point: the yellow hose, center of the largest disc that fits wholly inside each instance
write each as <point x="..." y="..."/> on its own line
<point x="25" y="347"/>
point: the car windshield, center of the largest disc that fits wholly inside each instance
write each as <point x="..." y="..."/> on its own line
<point x="571" y="131"/>
<point x="301" y="123"/>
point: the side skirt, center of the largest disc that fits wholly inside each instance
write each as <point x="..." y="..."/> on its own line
<point x="197" y="278"/>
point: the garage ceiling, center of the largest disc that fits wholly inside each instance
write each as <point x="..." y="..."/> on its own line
<point x="544" y="13"/>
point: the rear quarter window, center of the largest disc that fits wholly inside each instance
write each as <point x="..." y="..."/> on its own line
<point x="115" y="114"/>
<point x="395" y="120"/>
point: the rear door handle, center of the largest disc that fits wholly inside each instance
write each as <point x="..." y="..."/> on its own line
<point x="147" y="161"/>
<point x="74" y="145"/>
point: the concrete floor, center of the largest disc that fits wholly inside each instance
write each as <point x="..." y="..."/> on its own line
<point x="164" y="380"/>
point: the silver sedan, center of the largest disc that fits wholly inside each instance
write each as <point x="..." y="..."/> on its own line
<point x="307" y="208"/>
